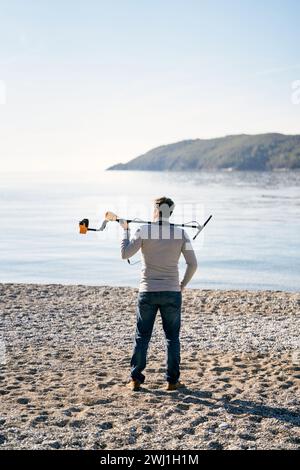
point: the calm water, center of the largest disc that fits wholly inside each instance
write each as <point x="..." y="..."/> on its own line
<point x="252" y="241"/>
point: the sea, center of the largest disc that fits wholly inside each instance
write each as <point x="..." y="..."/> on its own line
<point x="252" y="241"/>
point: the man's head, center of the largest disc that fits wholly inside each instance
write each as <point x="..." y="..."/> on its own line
<point x="163" y="208"/>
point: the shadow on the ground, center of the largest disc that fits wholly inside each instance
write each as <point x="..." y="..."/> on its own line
<point x="186" y="396"/>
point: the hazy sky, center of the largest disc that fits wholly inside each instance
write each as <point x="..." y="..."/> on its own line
<point x="85" y="84"/>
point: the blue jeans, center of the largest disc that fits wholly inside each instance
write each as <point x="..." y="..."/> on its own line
<point x="169" y="305"/>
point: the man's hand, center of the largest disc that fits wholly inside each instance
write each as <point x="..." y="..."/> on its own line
<point x="123" y="224"/>
<point x="181" y="288"/>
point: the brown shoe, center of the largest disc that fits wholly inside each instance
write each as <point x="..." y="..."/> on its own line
<point x="134" y="385"/>
<point x="172" y="387"/>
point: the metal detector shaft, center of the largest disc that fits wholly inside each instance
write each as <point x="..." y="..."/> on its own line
<point x="188" y="225"/>
<point x="84" y="224"/>
<point x="133" y="221"/>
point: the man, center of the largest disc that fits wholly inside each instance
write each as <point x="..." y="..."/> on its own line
<point x="161" y="245"/>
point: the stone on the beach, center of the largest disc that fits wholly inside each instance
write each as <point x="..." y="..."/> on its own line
<point x="23" y="401"/>
<point x="106" y="425"/>
<point x="223" y="426"/>
<point x="54" y="444"/>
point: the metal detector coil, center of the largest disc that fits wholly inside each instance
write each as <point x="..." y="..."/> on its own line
<point x="83" y="226"/>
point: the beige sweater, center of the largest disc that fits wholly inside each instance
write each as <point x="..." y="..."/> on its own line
<point x="161" y="247"/>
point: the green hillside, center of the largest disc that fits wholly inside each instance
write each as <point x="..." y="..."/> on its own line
<point x="237" y="152"/>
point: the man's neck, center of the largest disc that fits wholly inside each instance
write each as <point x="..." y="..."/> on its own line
<point x="162" y="220"/>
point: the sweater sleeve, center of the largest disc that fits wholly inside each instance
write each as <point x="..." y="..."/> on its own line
<point x="130" y="247"/>
<point x="190" y="258"/>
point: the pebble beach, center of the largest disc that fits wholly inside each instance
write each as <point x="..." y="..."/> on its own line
<point x="64" y="363"/>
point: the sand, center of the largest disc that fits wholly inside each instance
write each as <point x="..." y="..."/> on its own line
<point x="65" y="352"/>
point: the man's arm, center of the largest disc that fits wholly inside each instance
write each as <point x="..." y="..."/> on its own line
<point x="191" y="260"/>
<point x="130" y="247"/>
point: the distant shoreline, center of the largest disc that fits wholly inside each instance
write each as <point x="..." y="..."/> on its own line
<point x="215" y="170"/>
<point x="242" y="152"/>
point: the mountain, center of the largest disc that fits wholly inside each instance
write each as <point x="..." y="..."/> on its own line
<point x="237" y="152"/>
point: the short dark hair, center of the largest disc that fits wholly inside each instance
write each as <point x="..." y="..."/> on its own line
<point x="165" y="206"/>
